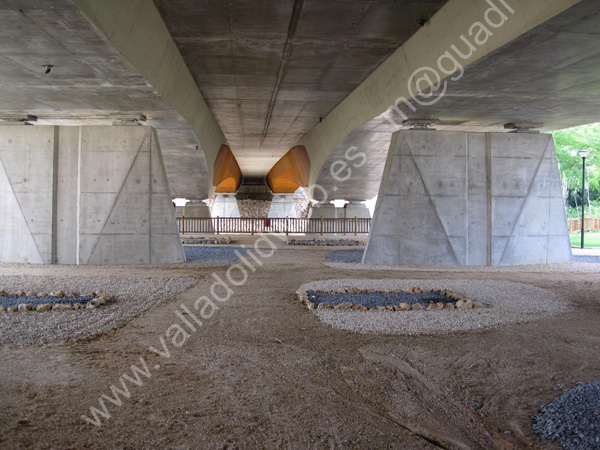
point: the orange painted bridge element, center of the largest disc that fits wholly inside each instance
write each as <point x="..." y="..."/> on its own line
<point x="290" y="172"/>
<point x="227" y="175"/>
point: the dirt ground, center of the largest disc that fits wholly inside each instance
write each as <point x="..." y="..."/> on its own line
<point x="264" y="373"/>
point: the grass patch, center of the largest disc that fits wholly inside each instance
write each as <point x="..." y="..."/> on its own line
<point x="590" y="239"/>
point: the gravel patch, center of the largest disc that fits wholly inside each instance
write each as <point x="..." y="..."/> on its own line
<point x="48" y="300"/>
<point x="345" y="256"/>
<point x="506" y="303"/>
<point x="351" y="260"/>
<point x="373" y="299"/>
<point x="594" y="259"/>
<point x="217" y="253"/>
<point x="134" y="295"/>
<point x="573" y="419"/>
<point x="325" y="242"/>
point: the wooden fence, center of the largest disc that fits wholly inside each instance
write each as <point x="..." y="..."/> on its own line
<point x="591" y="224"/>
<point x="239" y="225"/>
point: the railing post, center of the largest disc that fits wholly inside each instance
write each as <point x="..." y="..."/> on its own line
<point x="252" y="219"/>
<point x="321" y="225"/>
<point x="217" y="224"/>
<point x="355" y="226"/>
<point x="287" y="225"/>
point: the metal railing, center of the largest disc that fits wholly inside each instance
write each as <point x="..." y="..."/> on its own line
<point x="591" y="224"/>
<point x="241" y="225"/>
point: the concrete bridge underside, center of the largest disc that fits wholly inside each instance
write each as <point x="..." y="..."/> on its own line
<point x="262" y="78"/>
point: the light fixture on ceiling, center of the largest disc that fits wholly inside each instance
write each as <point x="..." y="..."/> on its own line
<point x="523" y="127"/>
<point x="48" y="68"/>
<point x="124" y="120"/>
<point x="17" y="119"/>
<point x="420" y="124"/>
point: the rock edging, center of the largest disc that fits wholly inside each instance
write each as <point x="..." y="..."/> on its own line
<point x="458" y="302"/>
<point x="98" y="299"/>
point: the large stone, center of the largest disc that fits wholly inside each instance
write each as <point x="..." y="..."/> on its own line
<point x="44" y="307"/>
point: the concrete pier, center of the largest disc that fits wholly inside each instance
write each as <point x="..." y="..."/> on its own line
<point x="85" y="195"/>
<point x="454" y="198"/>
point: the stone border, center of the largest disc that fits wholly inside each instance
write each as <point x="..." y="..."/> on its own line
<point x="507" y="304"/>
<point x="458" y="301"/>
<point x="327" y="242"/>
<point x="99" y="298"/>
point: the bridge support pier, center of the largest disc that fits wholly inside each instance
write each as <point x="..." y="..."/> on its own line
<point x="85" y="195"/>
<point x="455" y="198"/>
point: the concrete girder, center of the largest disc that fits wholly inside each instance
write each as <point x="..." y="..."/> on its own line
<point x="392" y="80"/>
<point x="137" y="31"/>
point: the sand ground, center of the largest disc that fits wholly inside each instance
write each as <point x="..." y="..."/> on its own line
<point x="264" y="372"/>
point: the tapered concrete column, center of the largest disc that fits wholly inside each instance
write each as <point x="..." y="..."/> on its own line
<point x="85" y="195"/>
<point x="450" y="198"/>
<point x="326" y="210"/>
<point x="356" y="209"/>
<point x="225" y="206"/>
<point x="283" y="206"/>
<point x="196" y="209"/>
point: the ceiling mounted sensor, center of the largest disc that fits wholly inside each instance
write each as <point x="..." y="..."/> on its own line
<point x="127" y="120"/>
<point x="48" y="68"/>
<point x="421" y="124"/>
<point x="524" y="127"/>
<point x="17" y="119"/>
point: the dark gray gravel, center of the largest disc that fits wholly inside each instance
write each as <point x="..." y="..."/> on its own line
<point x="345" y="256"/>
<point x="373" y="299"/>
<point x="323" y="242"/>
<point x="218" y="253"/>
<point x="49" y="300"/>
<point x="586" y="259"/>
<point x="573" y="419"/>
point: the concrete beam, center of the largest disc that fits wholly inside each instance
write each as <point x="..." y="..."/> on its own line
<point x="392" y="80"/>
<point x="137" y="31"/>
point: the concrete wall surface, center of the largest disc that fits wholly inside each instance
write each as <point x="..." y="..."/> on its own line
<point x="455" y="198"/>
<point x="85" y="195"/>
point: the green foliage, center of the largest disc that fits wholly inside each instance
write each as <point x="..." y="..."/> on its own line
<point x="567" y="143"/>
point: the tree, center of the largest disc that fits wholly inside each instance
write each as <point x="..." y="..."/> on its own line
<point x="567" y="143"/>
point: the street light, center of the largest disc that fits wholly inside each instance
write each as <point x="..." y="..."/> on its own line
<point x="583" y="154"/>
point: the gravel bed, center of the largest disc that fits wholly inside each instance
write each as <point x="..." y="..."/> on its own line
<point x="325" y="242"/>
<point x="573" y="419"/>
<point x="134" y="295"/>
<point x="48" y="300"/>
<point x="373" y="299"/>
<point x="345" y="256"/>
<point x="351" y="260"/>
<point x="594" y="259"/>
<point x="217" y="253"/>
<point x="506" y="303"/>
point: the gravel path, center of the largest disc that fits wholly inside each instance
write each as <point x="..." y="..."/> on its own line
<point x="134" y="295"/>
<point x="217" y="253"/>
<point x="351" y="260"/>
<point x="506" y="302"/>
<point x="573" y="419"/>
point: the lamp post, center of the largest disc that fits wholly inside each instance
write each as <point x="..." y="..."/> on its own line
<point x="583" y="154"/>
